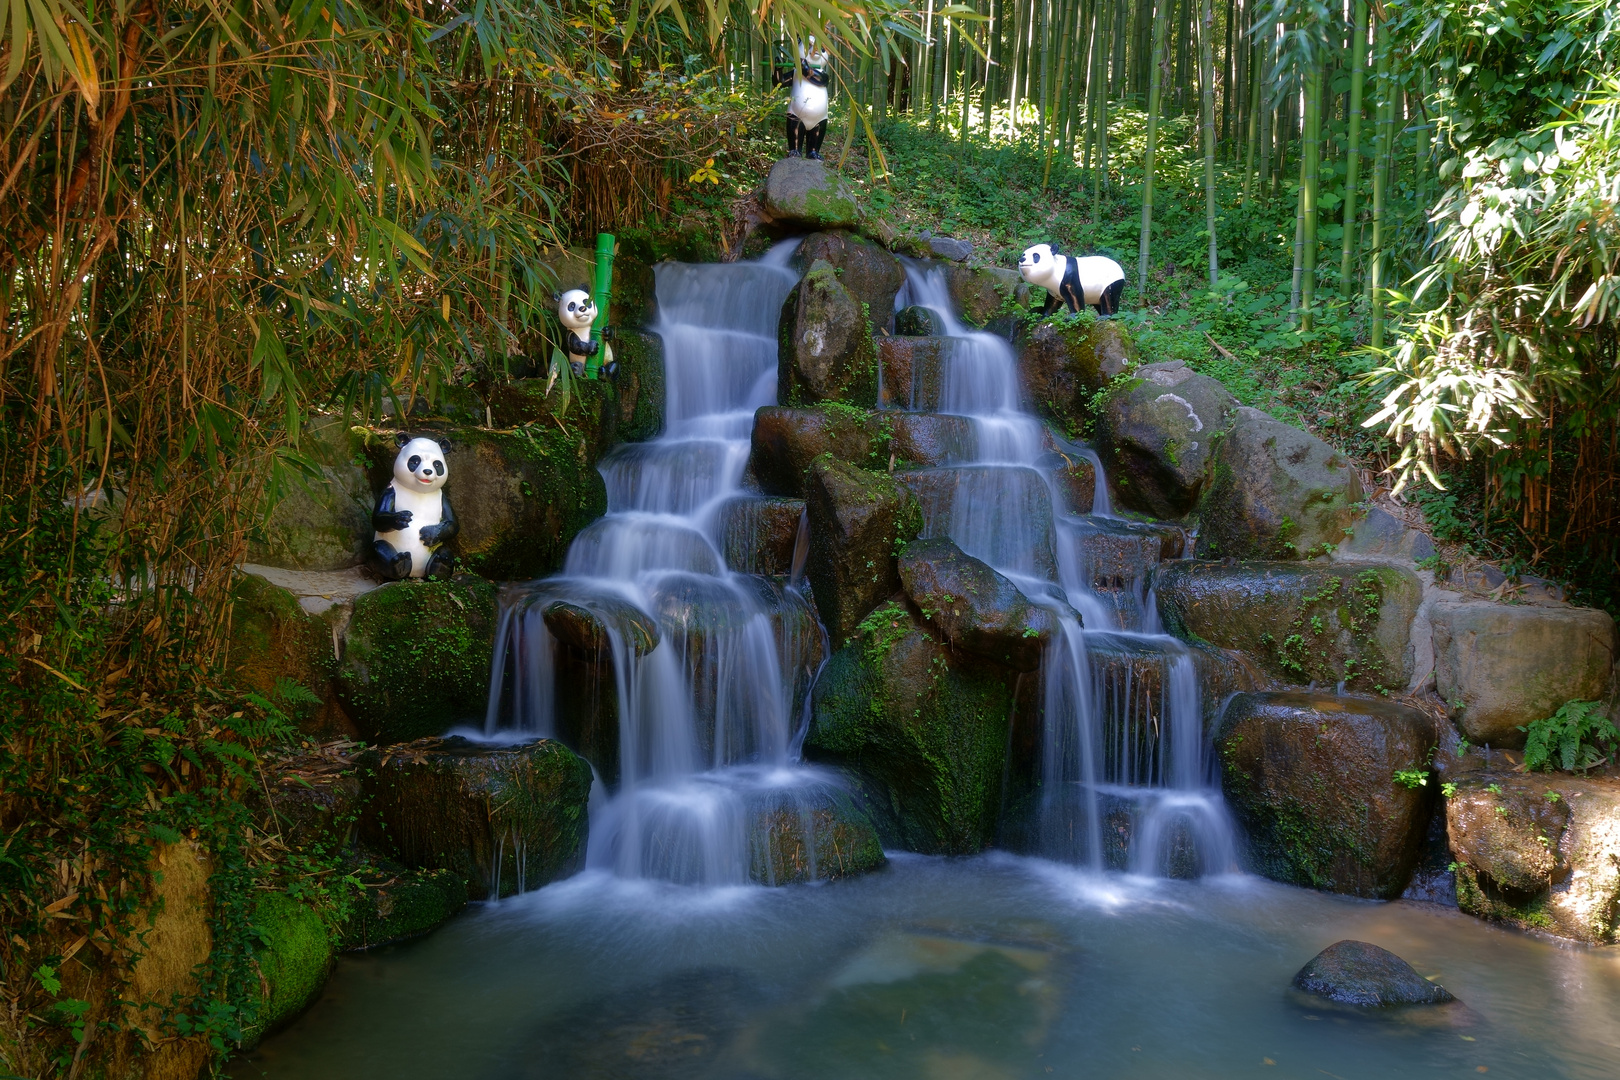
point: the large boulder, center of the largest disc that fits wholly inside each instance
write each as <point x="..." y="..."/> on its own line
<point x="1157" y="432"/>
<point x="922" y="730"/>
<point x="911" y="371"/>
<point x="871" y="274"/>
<point x="1300" y="622"/>
<point x="1065" y="360"/>
<point x="786" y="441"/>
<point x="1500" y="666"/>
<point x="1538" y="851"/>
<point x="294" y="957"/>
<point x="974" y="607"/>
<point x="1356" y="973"/>
<point x="416" y="657"/>
<point x="1381" y="534"/>
<point x="825" y="350"/>
<point x="639" y="384"/>
<point x="504" y="819"/>
<point x="1276" y="492"/>
<point x="1311" y="777"/>
<point x="276" y="645"/>
<point x="983" y="292"/>
<point x="858" y="520"/>
<point x="803" y="194"/>
<point x="324" y="522"/>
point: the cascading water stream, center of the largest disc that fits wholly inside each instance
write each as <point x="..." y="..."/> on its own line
<point x="710" y="669"/>
<point x="1125" y="771"/>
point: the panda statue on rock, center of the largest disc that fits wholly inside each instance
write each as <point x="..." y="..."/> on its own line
<point x="1078" y="280"/>
<point x="807" y="109"/>
<point x="413" y="518"/>
<point x="577" y="311"/>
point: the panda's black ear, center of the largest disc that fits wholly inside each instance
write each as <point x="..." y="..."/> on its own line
<point x="401" y="438"/>
<point x="1054" y="248"/>
<point x="556" y="297"/>
<point x="585" y="288"/>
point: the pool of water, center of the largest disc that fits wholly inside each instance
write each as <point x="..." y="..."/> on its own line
<point x="990" y="967"/>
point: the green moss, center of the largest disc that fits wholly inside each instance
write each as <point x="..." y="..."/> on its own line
<point x="395" y="903"/>
<point x="294" y="959"/>
<point x="275" y="642"/>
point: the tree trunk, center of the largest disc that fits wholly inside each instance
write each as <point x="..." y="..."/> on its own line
<point x="1155" y="97"/>
<point x="1352" y="162"/>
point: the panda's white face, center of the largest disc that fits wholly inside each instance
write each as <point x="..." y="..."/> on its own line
<point x="575" y="309"/>
<point x="420" y="466"/>
<point x="814" y="55"/>
<point x="1040" y="265"/>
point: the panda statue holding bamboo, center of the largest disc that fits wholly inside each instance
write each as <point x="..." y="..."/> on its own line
<point x="1077" y="280"/>
<point x="577" y="312"/>
<point x="807" y="108"/>
<point x="413" y="518"/>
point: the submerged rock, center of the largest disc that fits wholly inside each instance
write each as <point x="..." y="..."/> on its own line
<point x="976" y="608"/>
<point x="870" y="273"/>
<point x="504" y="819"/>
<point x="396" y="903"/>
<point x="1312" y="779"/>
<point x="1277" y="493"/>
<point x="825" y="348"/>
<point x="416" y="657"/>
<point x="805" y="194"/>
<point x="1157" y="433"/>
<point x="1062" y="362"/>
<point x="1356" y="973"/>
<point x="1502" y="666"/>
<point x="758" y="536"/>
<point x="857" y="521"/>
<point x="294" y="957"/>
<point x="786" y="441"/>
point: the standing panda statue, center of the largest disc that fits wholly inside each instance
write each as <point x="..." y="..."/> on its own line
<point x="577" y="311"/>
<point x="1079" y="280"/>
<point x="807" y="110"/>
<point x="413" y="518"/>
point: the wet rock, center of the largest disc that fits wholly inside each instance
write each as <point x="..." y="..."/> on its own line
<point x="912" y="369"/>
<point x="1311" y="777"/>
<point x="505" y="819"/>
<point x="318" y="811"/>
<point x="396" y="903"/>
<point x="584" y="626"/>
<point x="928" y="439"/>
<point x="916" y="321"/>
<point x="870" y="273"/>
<point x="1356" y="973"/>
<point x="983" y="292"/>
<point x="324" y="522"/>
<point x="947" y="247"/>
<point x="825" y="348"/>
<point x="416" y="657"/>
<point x="1501" y="666"/>
<point x="1539" y="851"/>
<point x="974" y="607"/>
<point x="786" y="441"/>
<point x="1064" y="361"/>
<point x="275" y="641"/>
<point x="590" y="409"/>
<point x="1006" y="512"/>
<point x="758" y="536"/>
<point x="805" y="194"/>
<point x="922" y="730"/>
<point x="1300" y="622"/>
<point x="1157" y="434"/>
<point x="294" y="958"/>
<point x="858" y="519"/>
<point x="1382" y="533"/>
<point x="817" y="835"/>
<point x="1277" y="493"/>
<point x="639" y="385"/>
<point x="1075" y="479"/>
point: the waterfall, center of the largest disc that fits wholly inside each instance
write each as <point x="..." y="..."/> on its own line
<point x="1125" y="773"/>
<point x="710" y="669"/>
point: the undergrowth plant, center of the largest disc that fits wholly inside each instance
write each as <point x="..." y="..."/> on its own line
<point x="1577" y="738"/>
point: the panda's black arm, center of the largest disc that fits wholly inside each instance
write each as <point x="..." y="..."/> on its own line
<point x="385" y="518"/>
<point x="446" y="529"/>
<point x="576" y="347"/>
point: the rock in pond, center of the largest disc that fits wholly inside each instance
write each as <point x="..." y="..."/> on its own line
<point x="1157" y="433"/>
<point x="1501" y="666"/>
<point x="1316" y="622"/>
<point x="807" y="194"/>
<point x="416" y="657"/>
<point x="1356" y="973"/>
<point x="870" y="273"/>
<point x="824" y="345"/>
<point x="815" y="834"/>
<point x="1311" y="778"/>
<point x="857" y="520"/>
<point x="1063" y="361"/>
<point x="504" y="819"/>
<point x="1277" y="493"/>
<point x="976" y="608"/>
<point x="397" y="903"/>
<point x="294" y="958"/>
<point x="786" y="441"/>
<point x="921" y="729"/>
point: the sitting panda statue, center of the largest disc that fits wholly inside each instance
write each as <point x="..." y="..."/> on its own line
<point x="577" y="311"/>
<point x="413" y="518"/>
<point x="1078" y="280"/>
<point x="807" y="110"/>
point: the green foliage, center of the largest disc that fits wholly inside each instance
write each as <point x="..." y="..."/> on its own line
<point x="884" y="627"/>
<point x="1578" y="737"/>
<point x="1412" y="778"/>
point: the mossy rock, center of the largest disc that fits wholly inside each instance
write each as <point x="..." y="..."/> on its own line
<point x="321" y="522"/>
<point x="416" y="657"/>
<point x="397" y="903"/>
<point x="1064" y="360"/>
<point x="1300" y="622"/>
<point x="922" y="729"/>
<point x="592" y="412"/>
<point x="785" y="442"/>
<point x="858" y="522"/>
<point x="808" y="195"/>
<point x="504" y="819"/>
<point x="825" y="350"/>
<point x="318" y="812"/>
<point x="640" y="384"/>
<point x="870" y="273"/>
<point x="294" y="958"/>
<point x="981" y="293"/>
<point x="1156" y="433"/>
<point x="274" y="641"/>
<point x="820" y="835"/>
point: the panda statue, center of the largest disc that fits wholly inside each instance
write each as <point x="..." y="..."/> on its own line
<point x="413" y="518"/>
<point x="807" y="111"/>
<point x="577" y="311"/>
<point x="1078" y="280"/>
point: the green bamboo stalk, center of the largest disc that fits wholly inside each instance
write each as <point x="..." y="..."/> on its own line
<point x="1226" y="75"/>
<point x="1299" y="246"/>
<point x="1313" y="164"/>
<point x="1253" y="109"/>
<point x="1206" y="75"/>
<point x="1060" y="93"/>
<point x="1381" y="159"/>
<point x="1352" y="164"/>
<point x="1155" y="95"/>
<point x="1102" y="100"/>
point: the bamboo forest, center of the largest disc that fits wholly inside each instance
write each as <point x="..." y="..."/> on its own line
<point x="760" y="539"/>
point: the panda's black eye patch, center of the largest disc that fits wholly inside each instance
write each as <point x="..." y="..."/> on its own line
<point x="438" y="467"/>
<point x="572" y="306"/>
<point x="414" y="463"/>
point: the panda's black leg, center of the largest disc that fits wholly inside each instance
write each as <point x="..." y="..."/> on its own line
<point x="795" y="135"/>
<point x="1072" y="299"/>
<point x="441" y="564"/>
<point x="1108" y="302"/>
<point x="388" y="564"/>
<point x="817" y="133"/>
<point x="1051" y="304"/>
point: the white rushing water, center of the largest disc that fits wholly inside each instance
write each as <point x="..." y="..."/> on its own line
<point x="1123" y="747"/>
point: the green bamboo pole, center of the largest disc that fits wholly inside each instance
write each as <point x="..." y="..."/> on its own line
<point x="1060" y="92"/>
<point x="1382" y="155"/>
<point x="1206" y="75"/>
<point x="1226" y="76"/>
<point x="1313" y="165"/>
<point x="1352" y="163"/>
<point x="1254" y="108"/>
<point x="1155" y="95"/>
<point x="1102" y="98"/>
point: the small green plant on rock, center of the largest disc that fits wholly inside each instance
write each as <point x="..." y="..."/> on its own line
<point x="1412" y="778"/>
<point x="1578" y="737"/>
